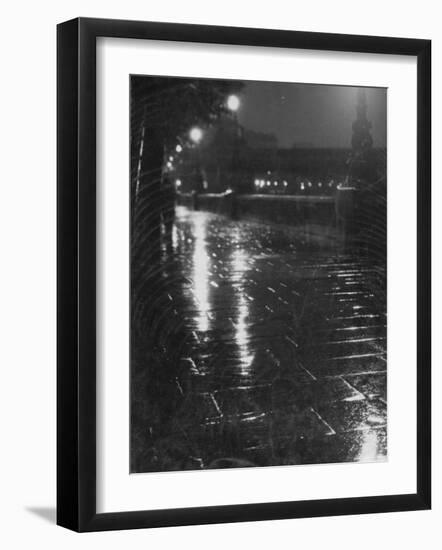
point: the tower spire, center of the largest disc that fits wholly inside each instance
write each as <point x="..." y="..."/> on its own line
<point x="361" y="139"/>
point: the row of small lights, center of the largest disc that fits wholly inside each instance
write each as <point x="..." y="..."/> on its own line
<point x="268" y="183"/>
<point x="263" y="183"/>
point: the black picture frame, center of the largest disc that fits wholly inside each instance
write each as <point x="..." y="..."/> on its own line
<point x="76" y="272"/>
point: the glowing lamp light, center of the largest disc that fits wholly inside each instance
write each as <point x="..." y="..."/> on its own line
<point x="309" y="184"/>
<point x="285" y="183"/>
<point x="275" y="183"/>
<point x="269" y="184"/>
<point x="178" y="183"/>
<point x="171" y="159"/>
<point x="169" y="165"/>
<point x="196" y="134"/>
<point x="178" y="148"/>
<point x="233" y="103"/>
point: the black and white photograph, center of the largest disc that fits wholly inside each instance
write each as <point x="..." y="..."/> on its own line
<point x="258" y="274"/>
<point x="220" y="277"/>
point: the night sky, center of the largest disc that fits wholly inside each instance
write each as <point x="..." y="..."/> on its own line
<point x="309" y="114"/>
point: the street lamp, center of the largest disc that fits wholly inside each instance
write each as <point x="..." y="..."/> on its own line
<point x="233" y="103"/>
<point x="196" y="134"/>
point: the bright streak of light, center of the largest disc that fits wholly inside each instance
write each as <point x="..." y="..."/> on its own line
<point x="175" y="238"/>
<point x="201" y="273"/>
<point x="369" y="448"/>
<point x="242" y="338"/>
<point x="242" y="335"/>
<point x="240" y="264"/>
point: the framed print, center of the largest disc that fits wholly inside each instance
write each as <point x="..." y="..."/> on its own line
<point x="239" y="336"/>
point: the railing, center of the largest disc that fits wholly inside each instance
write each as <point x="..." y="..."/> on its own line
<point x="285" y="209"/>
<point x="357" y="217"/>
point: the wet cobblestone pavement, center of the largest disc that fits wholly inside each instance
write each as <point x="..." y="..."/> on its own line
<point x="284" y="355"/>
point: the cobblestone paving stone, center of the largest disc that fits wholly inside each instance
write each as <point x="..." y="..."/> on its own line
<point x="285" y="362"/>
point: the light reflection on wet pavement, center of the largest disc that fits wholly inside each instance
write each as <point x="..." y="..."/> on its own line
<point x="285" y="359"/>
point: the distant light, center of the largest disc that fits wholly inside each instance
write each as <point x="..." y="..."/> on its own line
<point x="262" y="183"/>
<point x="309" y="184"/>
<point x="171" y="159"/>
<point x="269" y="183"/>
<point x="319" y="184"/>
<point x="196" y="134"/>
<point x="275" y="183"/>
<point x="285" y="183"/>
<point x="178" y="148"/>
<point x="268" y="172"/>
<point x="205" y="184"/>
<point x="233" y="102"/>
<point x="256" y="183"/>
<point x="169" y="165"/>
<point x="302" y="186"/>
<point x="178" y="183"/>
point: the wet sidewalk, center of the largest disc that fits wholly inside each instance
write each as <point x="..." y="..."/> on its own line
<point x="284" y="359"/>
